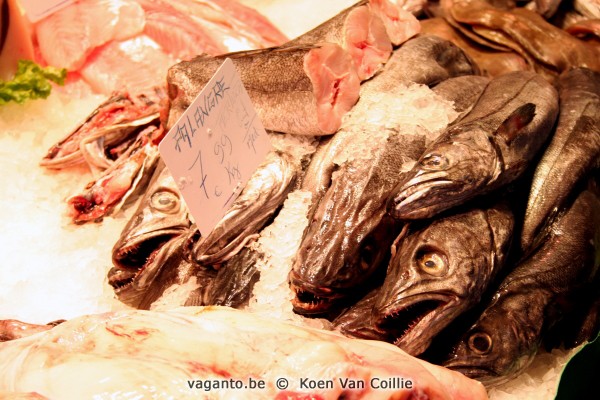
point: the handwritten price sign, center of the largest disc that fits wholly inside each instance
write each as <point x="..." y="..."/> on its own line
<point x="215" y="147"/>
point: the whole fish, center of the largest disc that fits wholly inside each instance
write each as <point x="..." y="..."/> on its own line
<point x="303" y="90"/>
<point x="573" y="152"/>
<point x="533" y="298"/>
<point x="348" y="237"/>
<point x="488" y="148"/>
<point x="439" y="271"/>
<point x="149" y="242"/>
<point x="99" y="139"/>
<point x="120" y="182"/>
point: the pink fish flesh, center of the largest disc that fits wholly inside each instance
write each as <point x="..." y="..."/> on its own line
<point x="68" y="36"/>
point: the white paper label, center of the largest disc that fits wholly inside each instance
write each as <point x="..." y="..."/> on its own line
<point x="215" y="147"/>
<point x="38" y="9"/>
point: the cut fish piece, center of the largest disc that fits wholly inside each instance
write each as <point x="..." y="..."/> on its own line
<point x="400" y="24"/>
<point x="68" y="36"/>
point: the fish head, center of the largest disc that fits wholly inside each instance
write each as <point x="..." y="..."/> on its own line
<point x="494" y="350"/>
<point x="140" y="252"/>
<point x="326" y="272"/>
<point x="453" y="170"/>
<point x="438" y="272"/>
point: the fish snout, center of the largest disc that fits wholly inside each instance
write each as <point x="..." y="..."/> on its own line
<point x="311" y="298"/>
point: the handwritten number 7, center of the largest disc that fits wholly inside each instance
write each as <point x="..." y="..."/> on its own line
<point x="202" y="175"/>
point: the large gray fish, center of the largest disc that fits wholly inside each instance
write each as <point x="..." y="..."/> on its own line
<point x="149" y="242"/>
<point x="490" y="147"/>
<point x="438" y="272"/>
<point x="541" y="291"/>
<point x="349" y="237"/>
<point x="303" y="90"/>
<point x="572" y="153"/>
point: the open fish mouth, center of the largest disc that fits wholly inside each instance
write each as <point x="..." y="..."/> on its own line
<point x="405" y="320"/>
<point x="312" y="300"/>
<point x="131" y="260"/>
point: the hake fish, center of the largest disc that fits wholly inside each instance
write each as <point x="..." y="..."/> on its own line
<point x="572" y="154"/>
<point x="349" y="236"/>
<point x="304" y="90"/>
<point x="151" y="240"/>
<point x="541" y="291"/>
<point x="488" y="148"/>
<point x="439" y="271"/>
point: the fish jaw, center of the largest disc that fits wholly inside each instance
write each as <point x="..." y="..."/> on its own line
<point x="138" y="265"/>
<point x="310" y="299"/>
<point x="412" y="322"/>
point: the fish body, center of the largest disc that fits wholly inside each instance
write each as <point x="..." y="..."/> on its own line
<point x="488" y="148"/>
<point x="150" y="241"/>
<point x="572" y="154"/>
<point x="303" y="90"/>
<point x="534" y="297"/>
<point x="439" y="271"/>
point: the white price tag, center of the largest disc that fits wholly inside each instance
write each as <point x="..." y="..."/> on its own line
<point x="38" y="9"/>
<point x="215" y="147"/>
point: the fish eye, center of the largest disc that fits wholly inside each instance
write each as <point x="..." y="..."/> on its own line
<point x="432" y="263"/>
<point x="165" y="201"/>
<point x="480" y="343"/>
<point x="434" y="161"/>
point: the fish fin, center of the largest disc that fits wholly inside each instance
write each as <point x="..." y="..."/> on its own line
<point x="517" y="120"/>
